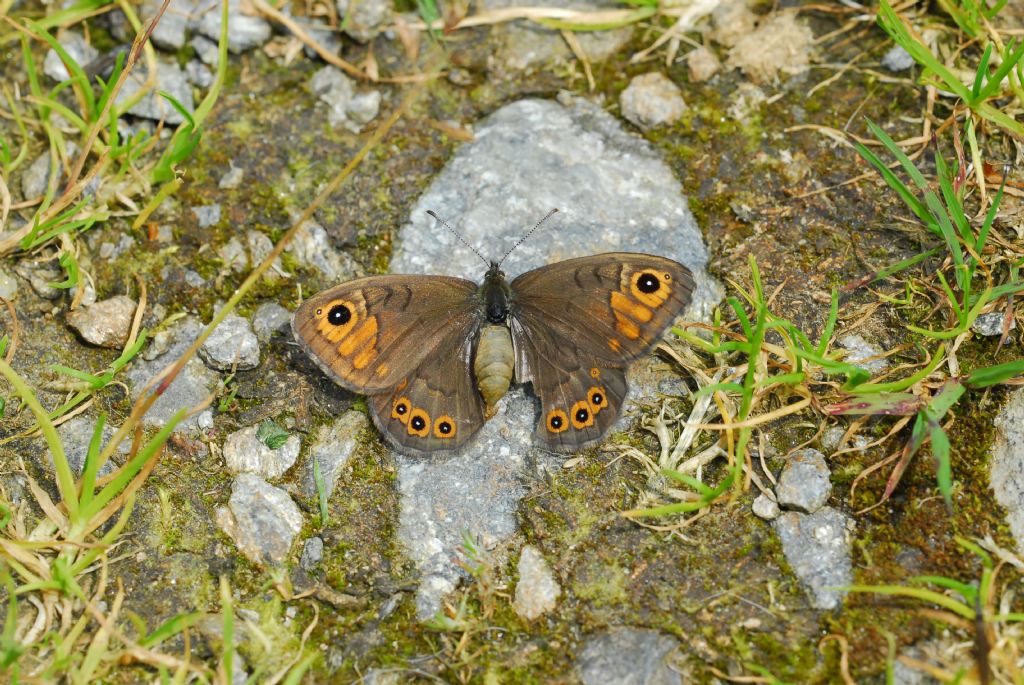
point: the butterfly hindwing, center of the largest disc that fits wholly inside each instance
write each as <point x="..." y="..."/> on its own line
<point x="578" y="404"/>
<point x="368" y="334"/>
<point x="437" y="406"/>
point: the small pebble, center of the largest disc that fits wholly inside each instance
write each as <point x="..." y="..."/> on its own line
<point x="765" y="507"/>
<point x="897" y="59"/>
<point x="106" y="323"/>
<point x="990" y="325"/>
<point x="537" y="590"/>
<point x="312" y="553"/>
<point x="804" y="484"/>
<point x="232" y="345"/>
<point x="244" y="452"/>
<point x="652" y="100"/>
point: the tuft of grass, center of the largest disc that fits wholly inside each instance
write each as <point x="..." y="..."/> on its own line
<point x="975" y="609"/>
<point x="946" y="219"/>
<point x="986" y="86"/>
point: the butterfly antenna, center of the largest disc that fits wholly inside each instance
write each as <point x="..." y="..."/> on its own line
<point x="523" y="239"/>
<point x="459" y="236"/>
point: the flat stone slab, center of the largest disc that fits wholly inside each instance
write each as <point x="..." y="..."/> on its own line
<point x="614" y="193"/>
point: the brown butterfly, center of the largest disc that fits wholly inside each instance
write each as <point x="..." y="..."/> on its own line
<point x="434" y="354"/>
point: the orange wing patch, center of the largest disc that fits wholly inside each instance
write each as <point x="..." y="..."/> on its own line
<point x="639" y="294"/>
<point x="581" y="415"/>
<point x="557" y="421"/>
<point x="650" y="287"/>
<point x="346" y="323"/>
<point x="444" y="427"/>
<point x="597" y="398"/>
<point x="400" y="409"/>
<point x="419" y="423"/>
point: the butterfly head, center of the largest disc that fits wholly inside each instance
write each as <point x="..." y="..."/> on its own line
<point x="495" y="293"/>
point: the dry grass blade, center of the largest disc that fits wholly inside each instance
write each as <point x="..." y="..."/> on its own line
<point x="326" y="55"/>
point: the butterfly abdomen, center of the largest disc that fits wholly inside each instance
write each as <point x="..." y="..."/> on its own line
<point x="493" y="364"/>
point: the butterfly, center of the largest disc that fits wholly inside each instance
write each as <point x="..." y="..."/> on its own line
<point x="434" y="354"/>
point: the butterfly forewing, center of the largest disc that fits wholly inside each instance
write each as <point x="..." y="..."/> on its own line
<point x="616" y="305"/>
<point x="371" y="333"/>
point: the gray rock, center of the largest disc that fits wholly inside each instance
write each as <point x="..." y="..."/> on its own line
<point x="364" y="107"/>
<point x="524" y="46"/>
<point x="804" y="484"/>
<point x="270" y="318"/>
<point x="207" y="215"/>
<point x="261" y="519"/>
<point x="628" y="656"/>
<point x="652" y="100"/>
<point x="246" y="453"/>
<point x="345" y="107"/>
<point x="363" y="19"/>
<point x="40" y="276"/>
<point x="474" y="493"/>
<point x="245" y="32"/>
<point x="88" y="292"/>
<point x="199" y="74"/>
<point x="232" y="345"/>
<point x="860" y="349"/>
<point x="817" y="547"/>
<point x="831" y="437"/>
<point x="8" y="284"/>
<point x="110" y="250"/>
<point x="528" y="157"/>
<point x="242" y="255"/>
<point x="328" y="38"/>
<point x="311" y="246"/>
<point x="612" y="190"/>
<point x="312" y="553"/>
<point x="234" y="254"/>
<point x="169" y="33"/>
<point x="766" y="508"/>
<point x="193" y="279"/>
<point x="106" y="323"/>
<point x="1007" y="471"/>
<point x="37" y="175"/>
<point x="990" y="325"/>
<point x="170" y="78"/>
<point x="192" y="386"/>
<point x="335" y="443"/>
<point x="76" y="47"/>
<point x="537" y="590"/>
<point x="76" y="434"/>
<point x="207" y="50"/>
<point x="897" y="59"/>
<point x="232" y="179"/>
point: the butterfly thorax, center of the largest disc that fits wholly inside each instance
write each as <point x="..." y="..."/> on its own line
<point x="494" y="358"/>
<point x="495" y="294"/>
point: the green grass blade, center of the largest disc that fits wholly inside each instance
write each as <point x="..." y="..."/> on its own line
<point x="91" y="466"/>
<point x="901" y="189"/>
<point x="170" y="628"/>
<point x="993" y="375"/>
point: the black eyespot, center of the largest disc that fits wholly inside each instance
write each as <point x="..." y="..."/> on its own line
<point x="418" y="423"/>
<point x="444" y="427"/>
<point x="647" y="283"/>
<point x="340" y="315"/>
<point x="597" y="399"/>
<point x="402" y="408"/>
<point x="582" y="415"/>
<point x="556" y="422"/>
